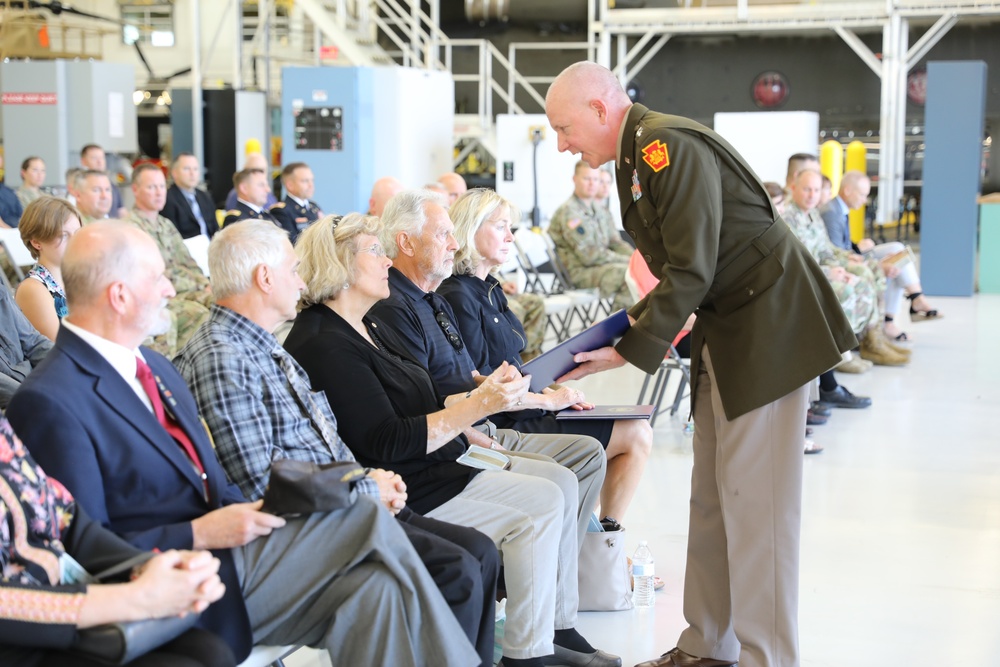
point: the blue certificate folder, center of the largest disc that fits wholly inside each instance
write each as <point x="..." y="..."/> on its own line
<point x="608" y="412"/>
<point x="545" y="368"/>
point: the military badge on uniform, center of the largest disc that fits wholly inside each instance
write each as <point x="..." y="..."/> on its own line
<point x="655" y="155"/>
<point x="638" y="132"/>
<point x="574" y="223"/>
<point x="636" y="189"/>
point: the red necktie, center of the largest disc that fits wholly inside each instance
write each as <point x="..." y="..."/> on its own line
<point x="145" y="377"/>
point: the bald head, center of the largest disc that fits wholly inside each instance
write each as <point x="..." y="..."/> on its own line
<point x="384" y="189"/>
<point x="255" y="161"/>
<point x="115" y="283"/>
<point x="99" y="254"/>
<point x="586" y="106"/>
<point x="855" y="187"/>
<point x="454" y="184"/>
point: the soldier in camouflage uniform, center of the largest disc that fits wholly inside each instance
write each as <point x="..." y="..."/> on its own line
<point x="530" y="310"/>
<point x="855" y="284"/>
<point x="92" y="190"/>
<point x="587" y="242"/>
<point x="189" y="309"/>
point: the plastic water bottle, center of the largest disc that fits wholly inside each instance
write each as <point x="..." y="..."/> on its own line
<point x="643" y="570"/>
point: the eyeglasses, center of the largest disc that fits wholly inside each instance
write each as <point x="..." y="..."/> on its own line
<point x="441" y="318"/>
<point x="376" y="250"/>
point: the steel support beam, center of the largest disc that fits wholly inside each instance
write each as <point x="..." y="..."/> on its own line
<point x="860" y="48"/>
<point x="197" y="120"/>
<point x="892" y="119"/>
<point x="930" y="39"/>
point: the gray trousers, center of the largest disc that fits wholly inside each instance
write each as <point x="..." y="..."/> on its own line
<point x="582" y="455"/>
<point x="350" y="582"/>
<point x="529" y="511"/>
<point x="895" y="287"/>
<point x="741" y="585"/>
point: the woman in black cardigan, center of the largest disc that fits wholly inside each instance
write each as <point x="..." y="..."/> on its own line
<point x="390" y="416"/>
<point x="42" y="608"/>
<point x="493" y="335"/>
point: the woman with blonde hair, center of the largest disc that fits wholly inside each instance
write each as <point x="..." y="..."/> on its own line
<point x="391" y="416"/>
<point x="493" y="335"/>
<point x="46" y="227"/>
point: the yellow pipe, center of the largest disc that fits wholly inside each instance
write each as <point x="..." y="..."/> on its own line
<point x="831" y="162"/>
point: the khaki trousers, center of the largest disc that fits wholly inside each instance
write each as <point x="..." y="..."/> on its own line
<point x="741" y="585"/>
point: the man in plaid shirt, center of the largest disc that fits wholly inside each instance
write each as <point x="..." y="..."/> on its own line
<point x="259" y="407"/>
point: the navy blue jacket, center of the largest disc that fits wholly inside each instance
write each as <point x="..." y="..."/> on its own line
<point x="87" y="428"/>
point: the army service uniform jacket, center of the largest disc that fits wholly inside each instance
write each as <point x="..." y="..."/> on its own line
<point x="708" y="231"/>
<point x="244" y="212"/>
<point x="293" y="215"/>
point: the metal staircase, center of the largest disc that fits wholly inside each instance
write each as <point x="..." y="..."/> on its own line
<point x="400" y="32"/>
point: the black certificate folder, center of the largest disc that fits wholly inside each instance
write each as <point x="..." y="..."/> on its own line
<point x="545" y="368"/>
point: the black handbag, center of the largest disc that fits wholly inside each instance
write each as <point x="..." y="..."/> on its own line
<point x="121" y="643"/>
<point x="303" y="487"/>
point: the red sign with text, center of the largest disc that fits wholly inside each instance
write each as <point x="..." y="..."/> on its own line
<point x="29" y="98"/>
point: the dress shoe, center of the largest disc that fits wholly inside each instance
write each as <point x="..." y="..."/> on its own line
<point x="813" y="419"/>
<point x="678" y="658"/>
<point x="564" y="657"/>
<point x="842" y="398"/>
<point x="820" y="409"/>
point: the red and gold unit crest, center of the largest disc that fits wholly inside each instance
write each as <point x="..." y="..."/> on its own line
<point x="655" y="155"/>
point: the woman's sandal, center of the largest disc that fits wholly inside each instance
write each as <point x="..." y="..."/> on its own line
<point x="901" y="337"/>
<point x="921" y="315"/>
<point x="812" y="448"/>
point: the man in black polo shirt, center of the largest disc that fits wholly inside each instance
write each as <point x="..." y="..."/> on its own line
<point x="417" y="235"/>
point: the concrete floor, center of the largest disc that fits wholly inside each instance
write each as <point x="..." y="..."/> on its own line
<point x="901" y="527"/>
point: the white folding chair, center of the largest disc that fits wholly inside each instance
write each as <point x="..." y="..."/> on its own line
<point x="198" y="247"/>
<point x="16" y="251"/>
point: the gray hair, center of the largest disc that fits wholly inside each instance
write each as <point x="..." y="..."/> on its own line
<point x="86" y="273"/>
<point x="238" y="249"/>
<point x="469" y="212"/>
<point x="406" y="212"/>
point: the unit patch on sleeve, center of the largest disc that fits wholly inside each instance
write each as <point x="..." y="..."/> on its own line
<point x="655" y="155"/>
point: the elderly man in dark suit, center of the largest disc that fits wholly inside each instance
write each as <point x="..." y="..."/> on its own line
<point x="768" y="323"/>
<point x="116" y="423"/>
<point x="190" y="209"/>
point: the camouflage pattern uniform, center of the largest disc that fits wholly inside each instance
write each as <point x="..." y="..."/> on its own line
<point x="530" y="310"/>
<point x="26" y="196"/>
<point x="588" y="245"/>
<point x="860" y="299"/>
<point x="189" y="309"/>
